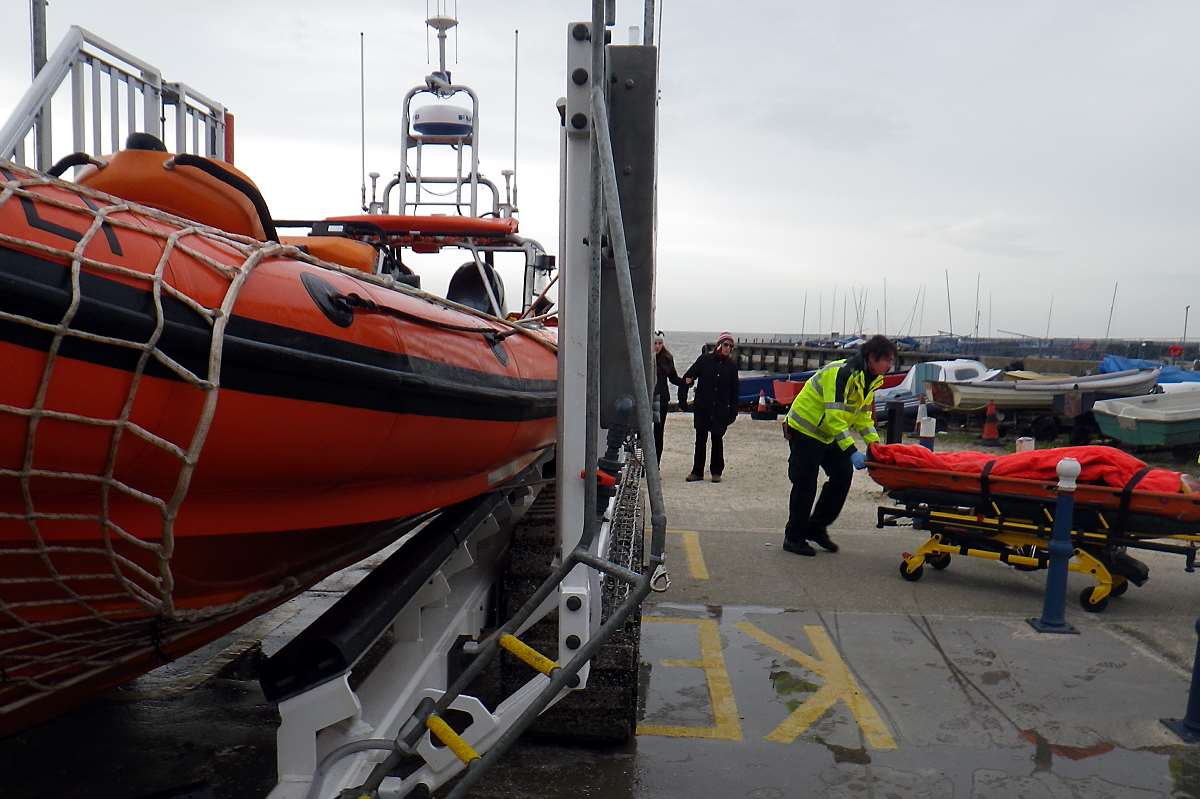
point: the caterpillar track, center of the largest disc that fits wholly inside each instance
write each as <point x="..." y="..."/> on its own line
<point x="606" y="711"/>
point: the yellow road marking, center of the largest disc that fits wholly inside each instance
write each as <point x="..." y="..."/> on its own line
<point x="695" y="558"/>
<point x="840" y="685"/>
<point x="726" y="726"/>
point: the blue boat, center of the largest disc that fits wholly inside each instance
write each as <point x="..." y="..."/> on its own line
<point x="750" y="383"/>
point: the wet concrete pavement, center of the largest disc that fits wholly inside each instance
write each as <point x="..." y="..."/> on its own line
<point x="766" y="675"/>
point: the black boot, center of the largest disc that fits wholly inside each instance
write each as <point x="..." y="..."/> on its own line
<point x="799" y="548"/>
<point x="821" y="539"/>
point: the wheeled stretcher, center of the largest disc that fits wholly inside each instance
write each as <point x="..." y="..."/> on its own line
<point x="990" y="513"/>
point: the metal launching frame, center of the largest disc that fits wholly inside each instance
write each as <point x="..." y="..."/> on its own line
<point x="329" y="718"/>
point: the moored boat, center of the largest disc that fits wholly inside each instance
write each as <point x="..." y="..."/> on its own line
<point x="1155" y="420"/>
<point x="1038" y="394"/>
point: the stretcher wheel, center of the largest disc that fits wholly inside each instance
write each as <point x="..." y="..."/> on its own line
<point x="911" y="576"/>
<point x="939" y="560"/>
<point x="1119" y="588"/>
<point x="1085" y="599"/>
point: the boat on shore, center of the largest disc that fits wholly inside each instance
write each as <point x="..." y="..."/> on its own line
<point x="1155" y="420"/>
<point x="1038" y="394"/>
<point x="201" y="418"/>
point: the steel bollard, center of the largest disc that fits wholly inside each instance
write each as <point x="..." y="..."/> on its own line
<point x="1188" y="727"/>
<point x="895" y="420"/>
<point x="1054" y="607"/>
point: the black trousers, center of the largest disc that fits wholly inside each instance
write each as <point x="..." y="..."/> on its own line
<point x="705" y="427"/>
<point x="660" y="423"/>
<point x="808" y="457"/>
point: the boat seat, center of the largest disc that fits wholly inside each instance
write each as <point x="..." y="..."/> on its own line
<point x="335" y="249"/>
<point x="228" y="200"/>
<point x="466" y="288"/>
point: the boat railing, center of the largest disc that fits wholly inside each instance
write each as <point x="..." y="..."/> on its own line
<point x="112" y="94"/>
<point x="413" y="180"/>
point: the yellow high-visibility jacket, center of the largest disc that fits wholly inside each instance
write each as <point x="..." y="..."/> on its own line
<point x="834" y="401"/>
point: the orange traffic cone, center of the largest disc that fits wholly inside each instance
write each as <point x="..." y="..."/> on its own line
<point x="991" y="429"/>
<point x="763" y="411"/>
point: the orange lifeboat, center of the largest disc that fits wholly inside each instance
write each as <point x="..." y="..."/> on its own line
<point x="196" y="425"/>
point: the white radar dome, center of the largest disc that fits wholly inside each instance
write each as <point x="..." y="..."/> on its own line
<point x="442" y="120"/>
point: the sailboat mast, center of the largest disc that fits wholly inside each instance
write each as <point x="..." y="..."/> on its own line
<point x="1111" y="305"/>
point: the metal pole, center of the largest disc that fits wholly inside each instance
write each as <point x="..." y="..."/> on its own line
<point x="1183" y="341"/>
<point x="1111" y="305"/>
<point x="595" y="233"/>
<point x="949" y="309"/>
<point x="37" y="31"/>
<point x="516" y="80"/>
<point x="648" y="24"/>
<point x="658" y="516"/>
<point x="1188" y="727"/>
<point x="1053" y="619"/>
<point x="895" y="421"/>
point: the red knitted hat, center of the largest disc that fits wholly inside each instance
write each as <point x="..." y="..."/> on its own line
<point x="721" y="339"/>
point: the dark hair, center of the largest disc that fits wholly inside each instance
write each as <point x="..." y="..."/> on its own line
<point x="878" y="346"/>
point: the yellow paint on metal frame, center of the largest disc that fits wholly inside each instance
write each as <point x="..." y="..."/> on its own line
<point x="840" y="685"/>
<point x="726" y="726"/>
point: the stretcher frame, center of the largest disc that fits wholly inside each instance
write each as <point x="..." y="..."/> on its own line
<point x="1016" y="530"/>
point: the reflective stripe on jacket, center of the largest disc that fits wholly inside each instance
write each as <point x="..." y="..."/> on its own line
<point x="834" y="401"/>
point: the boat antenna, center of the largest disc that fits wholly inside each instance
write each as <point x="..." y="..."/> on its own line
<point x="516" y="75"/>
<point x="427" y="15"/>
<point x="1111" y="305"/>
<point x="456" y="34"/>
<point x="362" y="113"/>
<point x="949" y="310"/>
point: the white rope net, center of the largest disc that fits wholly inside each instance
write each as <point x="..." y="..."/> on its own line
<point x="74" y="604"/>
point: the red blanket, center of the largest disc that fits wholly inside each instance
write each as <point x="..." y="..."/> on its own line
<point x="1100" y="465"/>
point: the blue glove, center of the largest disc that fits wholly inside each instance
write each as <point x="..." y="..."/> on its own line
<point x="859" y="460"/>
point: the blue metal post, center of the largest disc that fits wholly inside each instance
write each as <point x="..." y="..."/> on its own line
<point x="1188" y="727"/>
<point x="1054" y="619"/>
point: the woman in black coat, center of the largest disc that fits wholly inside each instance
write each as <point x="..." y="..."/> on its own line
<point x="664" y="363"/>
<point x="715" y="405"/>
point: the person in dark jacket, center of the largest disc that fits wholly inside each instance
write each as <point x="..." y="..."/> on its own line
<point x="664" y="364"/>
<point x="715" y="405"/>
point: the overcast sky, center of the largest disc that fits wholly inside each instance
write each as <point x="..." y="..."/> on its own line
<point x="1047" y="149"/>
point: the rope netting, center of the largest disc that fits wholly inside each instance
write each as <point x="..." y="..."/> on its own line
<point x="75" y="598"/>
<point x="81" y="589"/>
